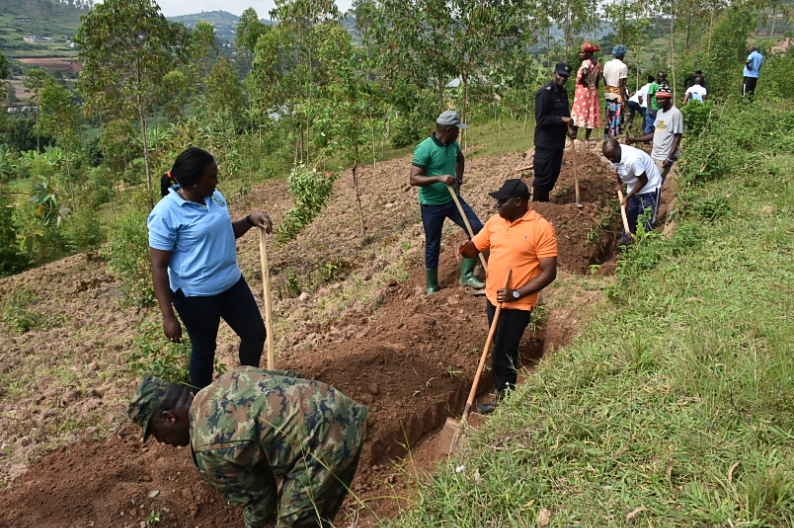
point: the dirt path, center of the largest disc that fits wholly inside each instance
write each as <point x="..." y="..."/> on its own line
<point x="367" y="329"/>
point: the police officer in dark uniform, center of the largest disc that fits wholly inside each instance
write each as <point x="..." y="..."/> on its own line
<point x="552" y="118"/>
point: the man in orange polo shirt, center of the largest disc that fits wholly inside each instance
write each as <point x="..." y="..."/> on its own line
<point x="522" y="240"/>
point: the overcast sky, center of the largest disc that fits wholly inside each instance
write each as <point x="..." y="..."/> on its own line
<point x="236" y="7"/>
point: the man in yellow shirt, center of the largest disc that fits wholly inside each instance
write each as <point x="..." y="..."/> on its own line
<point x="522" y="240"/>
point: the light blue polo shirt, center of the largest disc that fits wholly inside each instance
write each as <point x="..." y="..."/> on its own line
<point x="756" y="60"/>
<point x="201" y="241"/>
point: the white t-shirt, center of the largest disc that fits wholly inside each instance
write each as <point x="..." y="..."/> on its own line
<point x="634" y="162"/>
<point x="698" y="92"/>
<point x="644" y="93"/>
<point x="614" y="71"/>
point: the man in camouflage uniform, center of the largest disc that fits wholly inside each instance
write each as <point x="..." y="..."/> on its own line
<point x="250" y="426"/>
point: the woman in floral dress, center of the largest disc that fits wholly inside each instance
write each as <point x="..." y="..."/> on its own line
<point x="586" y="105"/>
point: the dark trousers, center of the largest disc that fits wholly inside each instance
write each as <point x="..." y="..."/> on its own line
<point x="748" y="87"/>
<point x="512" y="324"/>
<point x="547" y="164"/>
<point x="636" y="108"/>
<point x="433" y="217"/>
<point x="202" y="316"/>
<point x="637" y="205"/>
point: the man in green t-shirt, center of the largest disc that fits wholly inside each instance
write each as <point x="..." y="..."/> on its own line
<point x="438" y="162"/>
<point x="653" y="104"/>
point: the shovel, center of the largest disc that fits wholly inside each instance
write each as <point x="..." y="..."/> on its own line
<point x="624" y="241"/>
<point x="466" y="221"/>
<point x="575" y="171"/>
<point x="453" y="428"/>
<point x="271" y="357"/>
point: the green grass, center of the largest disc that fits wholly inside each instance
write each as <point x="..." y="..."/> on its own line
<point x="678" y="397"/>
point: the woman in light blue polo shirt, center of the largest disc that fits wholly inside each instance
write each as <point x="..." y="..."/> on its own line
<point x="194" y="264"/>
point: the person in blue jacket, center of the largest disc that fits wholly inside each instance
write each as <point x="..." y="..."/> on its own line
<point x="194" y="264"/>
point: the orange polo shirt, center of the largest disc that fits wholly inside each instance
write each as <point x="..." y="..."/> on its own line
<point x="518" y="245"/>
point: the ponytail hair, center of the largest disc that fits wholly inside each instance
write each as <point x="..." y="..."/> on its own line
<point x="188" y="168"/>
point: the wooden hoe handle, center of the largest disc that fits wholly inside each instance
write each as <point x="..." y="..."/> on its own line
<point x="623" y="214"/>
<point x="271" y="357"/>
<point x="466" y="221"/>
<point x="575" y="169"/>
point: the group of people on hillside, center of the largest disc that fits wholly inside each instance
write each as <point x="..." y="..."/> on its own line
<point x="250" y="426"/>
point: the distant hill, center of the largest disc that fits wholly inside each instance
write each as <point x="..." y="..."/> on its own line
<point x="46" y="18"/>
<point x="225" y="23"/>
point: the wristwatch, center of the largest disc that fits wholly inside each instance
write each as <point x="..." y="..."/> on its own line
<point x="516" y="295"/>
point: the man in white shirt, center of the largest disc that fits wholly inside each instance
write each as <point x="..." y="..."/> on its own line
<point x="696" y="92"/>
<point x="668" y="130"/>
<point x="615" y="92"/>
<point x="638" y="102"/>
<point x="643" y="182"/>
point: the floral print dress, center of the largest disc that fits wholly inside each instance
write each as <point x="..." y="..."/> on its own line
<point x="586" y="104"/>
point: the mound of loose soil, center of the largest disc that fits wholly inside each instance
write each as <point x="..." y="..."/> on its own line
<point x="409" y="357"/>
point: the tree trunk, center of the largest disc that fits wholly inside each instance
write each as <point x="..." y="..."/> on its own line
<point x="358" y="197"/>
<point x="464" y="79"/>
<point x="440" y="92"/>
<point x="672" y="44"/>
<point x="69" y="177"/>
<point x="142" y="118"/>
<point x="372" y="133"/>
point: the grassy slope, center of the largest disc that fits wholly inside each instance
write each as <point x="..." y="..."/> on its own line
<point x="44" y="17"/>
<point x="686" y="374"/>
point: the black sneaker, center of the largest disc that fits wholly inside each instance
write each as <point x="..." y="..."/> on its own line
<point x="487" y="408"/>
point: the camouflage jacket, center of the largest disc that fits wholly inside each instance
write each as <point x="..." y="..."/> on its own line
<point x="251" y="425"/>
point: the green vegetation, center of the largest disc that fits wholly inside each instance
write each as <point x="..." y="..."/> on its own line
<point x="46" y="18"/>
<point x="673" y="407"/>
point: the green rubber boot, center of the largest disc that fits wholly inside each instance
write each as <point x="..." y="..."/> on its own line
<point x="431" y="276"/>
<point x="467" y="277"/>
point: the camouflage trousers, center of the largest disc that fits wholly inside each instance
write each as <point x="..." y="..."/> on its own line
<point x="313" y="492"/>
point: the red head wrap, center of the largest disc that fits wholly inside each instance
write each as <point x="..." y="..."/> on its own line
<point x="590" y="48"/>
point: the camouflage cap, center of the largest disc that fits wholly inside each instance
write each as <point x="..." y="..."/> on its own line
<point x="147" y="399"/>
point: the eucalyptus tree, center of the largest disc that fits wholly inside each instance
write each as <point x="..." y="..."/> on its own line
<point x="34" y="81"/>
<point x="59" y="119"/>
<point x="446" y="38"/>
<point x="342" y="111"/>
<point x="293" y="48"/>
<point x="127" y="47"/>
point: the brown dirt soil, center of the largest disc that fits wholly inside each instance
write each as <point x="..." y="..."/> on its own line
<point x="364" y="327"/>
<point x="64" y="64"/>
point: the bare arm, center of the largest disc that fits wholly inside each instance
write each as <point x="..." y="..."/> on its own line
<point x="548" y="272"/>
<point x="673" y="150"/>
<point x="418" y="178"/>
<point x="466" y="249"/>
<point x="642" y="182"/>
<point x="260" y="220"/>
<point x="624" y="92"/>
<point x="162" y="290"/>
<point x="640" y="139"/>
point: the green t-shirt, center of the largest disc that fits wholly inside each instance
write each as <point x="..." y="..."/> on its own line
<point x="436" y="159"/>
<point x="652" y="89"/>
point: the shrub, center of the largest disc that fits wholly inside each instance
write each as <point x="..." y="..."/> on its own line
<point x="84" y="233"/>
<point x="155" y="355"/>
<point x="12" y="260"/>
<point x="128" y="255"/>
<point x="311" y="191"/>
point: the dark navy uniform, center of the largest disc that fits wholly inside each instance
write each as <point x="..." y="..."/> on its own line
<point x="551" y="105"/>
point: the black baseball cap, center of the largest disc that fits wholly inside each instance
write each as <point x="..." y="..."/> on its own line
<point x="512" y="189"/>
<point x="563" y="68"/>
